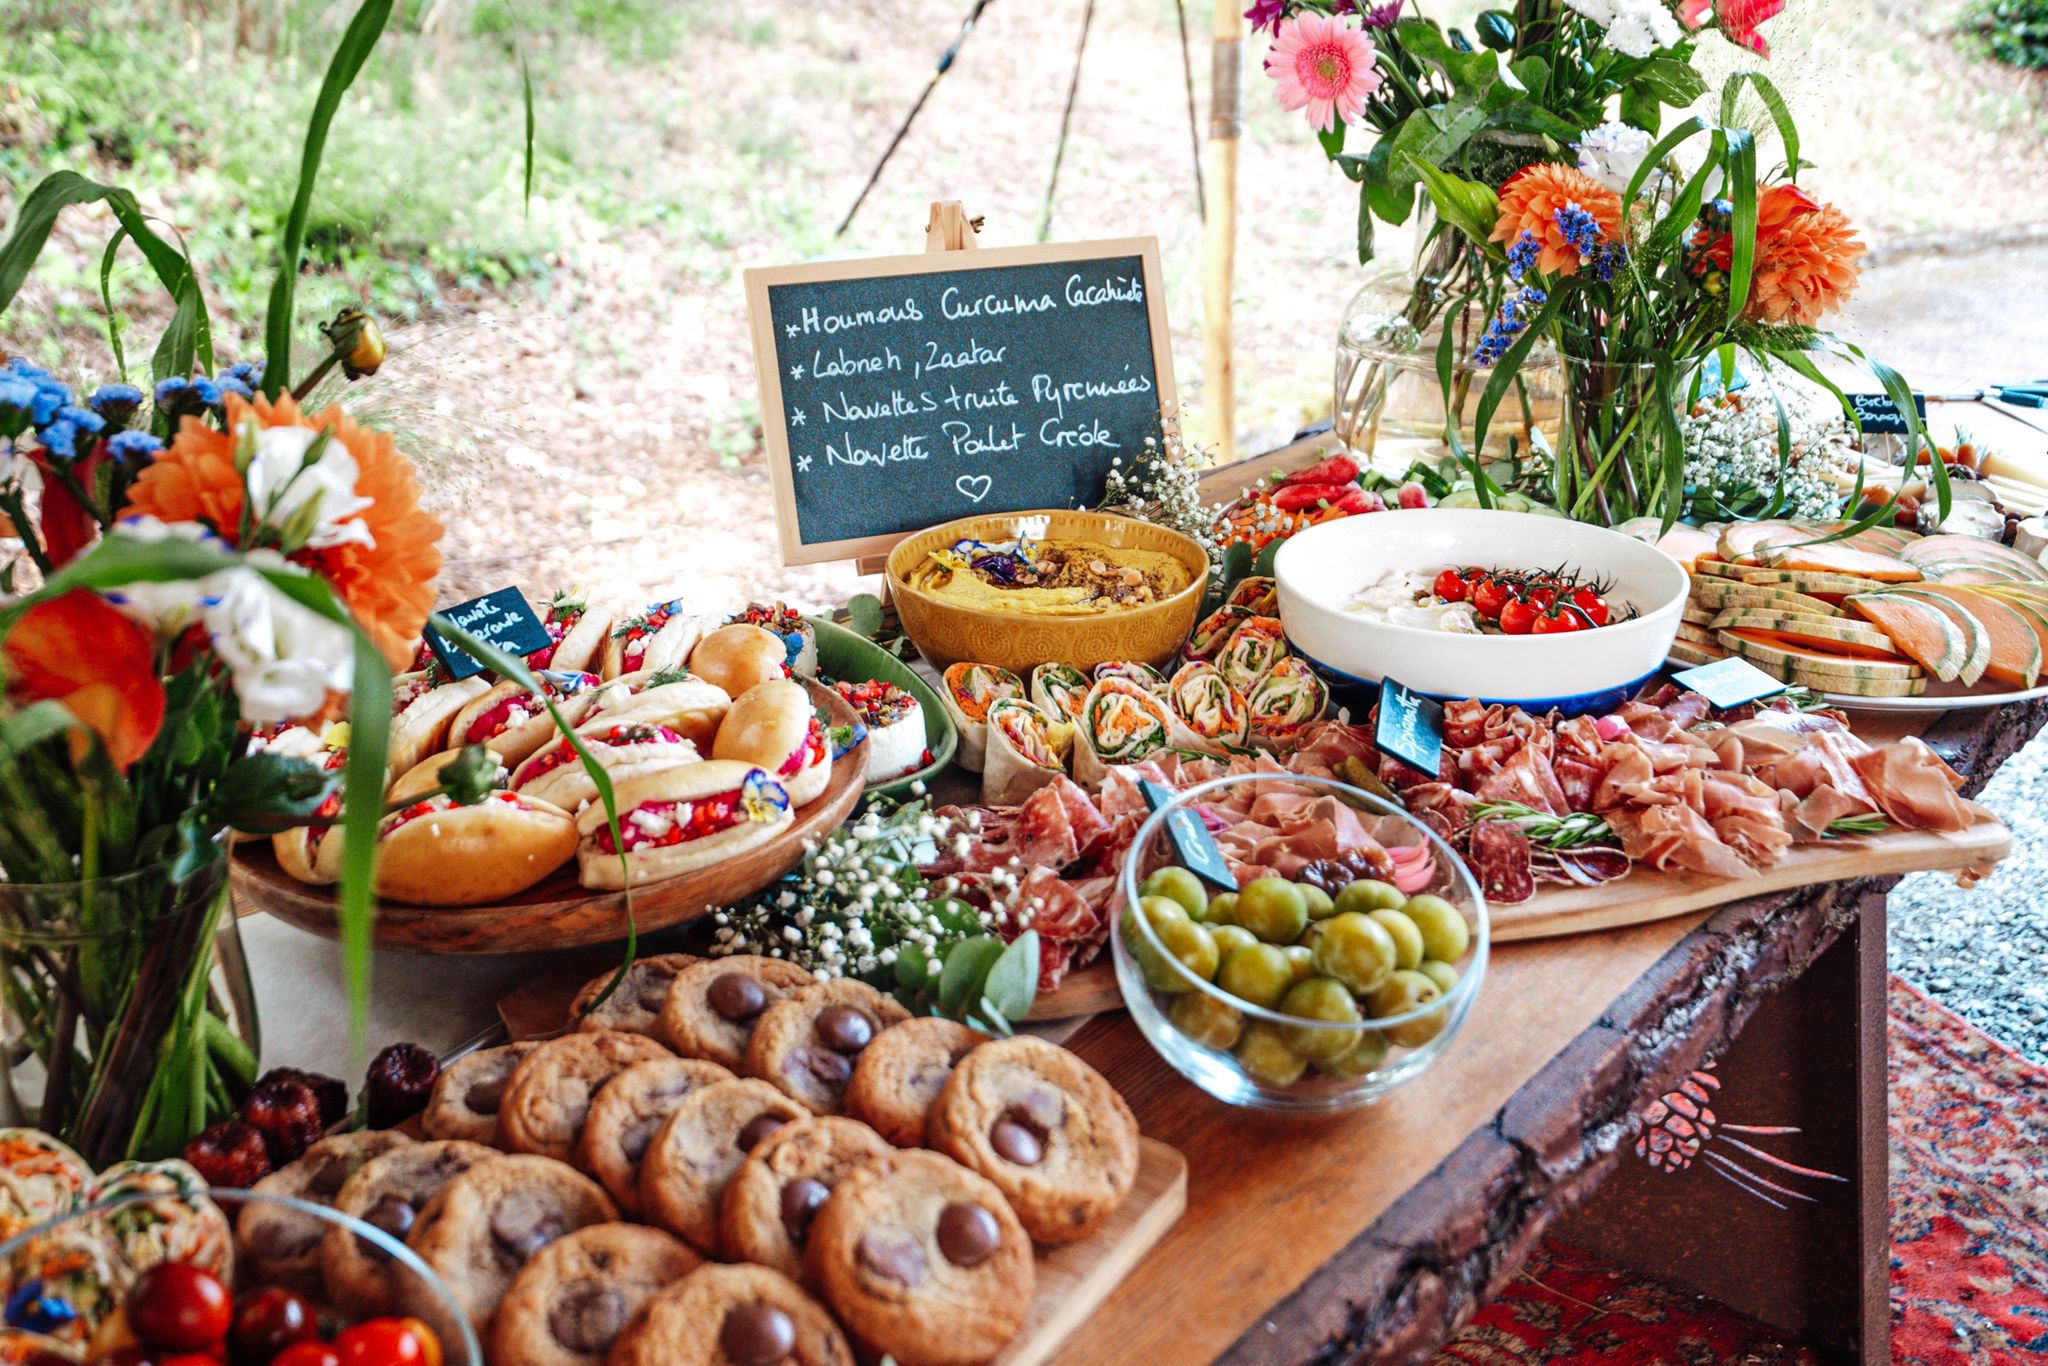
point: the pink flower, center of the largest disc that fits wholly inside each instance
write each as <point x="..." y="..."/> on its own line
<point x="1325" y="66"/>
<point x="1739" y="20"/>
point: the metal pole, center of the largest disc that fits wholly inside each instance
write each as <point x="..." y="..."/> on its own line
<point x="1219" y="250"/>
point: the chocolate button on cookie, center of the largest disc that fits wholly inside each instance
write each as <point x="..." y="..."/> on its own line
<point x="487" y="1223"/>
<point x="806" y="1046"/>
<point x="388" y="1193"/>
<point x="923" y="1260"/>
<point x="900" y="1074"/>
<point x="768" y="1206"/>
<point x="280" y="1245"/>
<point x="733" y="1316"/>
<point x="1046" y="1128"/>
<point x="549" y="1096"/>
<point x="571" y="1302"/>
<point x="698" y="1148"/>
<point x="625" y="1114"/>
<point x="714" y="1004"/>
<point x="635" y="1008"/>
<point x="469" y="1093"/>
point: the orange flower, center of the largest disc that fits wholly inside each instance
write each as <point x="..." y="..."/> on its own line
<point x="388" y="585"/>
<point x="1529" y="203"/>
<point x="77" y="650"/>
<point x="1806" y="256"/>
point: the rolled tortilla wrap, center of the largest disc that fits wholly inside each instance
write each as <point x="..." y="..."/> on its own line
<point x="1060" y="689"/>
<point x="1144" y="675"/>
<point x="1290" y="696"/>
<point x="1253" y="647"/>
<point x="1121" y="723"/>
<point x="1023" y="752"/>
<point x="1212" y="632"/>
<point x="1257" y="594"/>
<point x="971" y="689"/>
<point x="1206" y="704"/>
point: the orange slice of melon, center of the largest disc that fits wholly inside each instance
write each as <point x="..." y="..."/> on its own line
<point x="2015" y="648"/>
<point x="1922" y="631"/>
<point x="1836" y="558"/>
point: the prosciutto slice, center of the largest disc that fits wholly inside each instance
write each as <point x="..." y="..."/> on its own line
<point x="1912" y="786"/>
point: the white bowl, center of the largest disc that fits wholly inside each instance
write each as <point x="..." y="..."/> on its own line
<point x="1322" y="569"/>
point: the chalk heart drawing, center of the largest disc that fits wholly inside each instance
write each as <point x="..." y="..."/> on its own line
<point x="973" y="487"/>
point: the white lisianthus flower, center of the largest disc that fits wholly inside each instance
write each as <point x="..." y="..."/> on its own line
<point x="281" y="483"/>
<point x="284" y="657"/>
<point x="1640" y="29"/>
<point x="1612" y="152"/>
<point x="1600" y="12"/>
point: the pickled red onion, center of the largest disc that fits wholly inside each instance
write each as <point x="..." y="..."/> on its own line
<point x="1414" y="868"/>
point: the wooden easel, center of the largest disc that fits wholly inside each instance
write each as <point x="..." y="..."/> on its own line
<point x="948" y="229"/>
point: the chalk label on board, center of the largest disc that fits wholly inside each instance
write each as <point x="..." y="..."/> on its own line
<point x="503" y="618"/>
<point x="1879" y="415"/>
<point x="1411" y="727"/>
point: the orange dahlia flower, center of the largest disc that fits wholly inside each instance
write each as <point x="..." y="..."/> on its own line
<point x="388" y="585"/>
<point x="1529" y="203"/>
<point x="1806" y="254"/>
<point x="77" y="650"/>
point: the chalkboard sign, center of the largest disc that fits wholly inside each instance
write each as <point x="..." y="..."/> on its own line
<point x="898" y="392"/>
<point x="504" y="619"/>
<point x="1876" y="413"/>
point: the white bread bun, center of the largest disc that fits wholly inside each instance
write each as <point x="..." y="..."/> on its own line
<point x="690" y="707"/>
<point x="585" y="639"/>
<point x="739" y="657"/>
<point x="449" y="855"/>
<point x="307" y="853"/>
<point x="516" y="733"/>
<point x="680" y="783"/>
<point x="424" y="777"/>
<point x="772" y="726"/>
<point x="659" y="637"/>
<point x="556" y="772"/>
<point x="422" y="715"/>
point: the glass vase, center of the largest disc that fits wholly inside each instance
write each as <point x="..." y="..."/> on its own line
<point x="1612" y="453"/>
<point x="130" y="1019"/>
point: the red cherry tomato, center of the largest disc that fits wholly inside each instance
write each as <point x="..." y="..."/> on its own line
<point x="1541" y="596"/>
<point x="190" y="1359"/>
<point x="267" y="1320"/>
<point x="1517" y="617"/>
<point x="388" y="1342"/>
<point x="307" y="1354"/>
<point x="1490" y="595"/>
<point x="1592" y="604"/>
<point x="1449" y="586"/>
<point x="178" y="1307"/>
<point x="1556" y="623"/>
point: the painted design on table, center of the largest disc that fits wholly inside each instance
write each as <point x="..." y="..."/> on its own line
<point x="1681" y="1125"/>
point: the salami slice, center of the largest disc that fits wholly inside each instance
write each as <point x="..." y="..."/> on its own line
<point x="1500" y="857"/>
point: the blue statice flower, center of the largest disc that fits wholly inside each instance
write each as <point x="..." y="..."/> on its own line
<point x="205" y="393"/>
<point x="116" y="402"/>
<point x="1612" y="256"/>
<point x="60" y="439"/>
<point x="17" y="401"/>
<point x="85" y="419"/>
<point x="1580" y="229"/>
<point x="133" y="448"/>
<point x="50" y="396"/>
<point x="1511" y="322"/>
<point x="170" y="393"/>
<point x="249" y="372"/>
<point x="235" y="384"/>
<point x="1522" y="255"/>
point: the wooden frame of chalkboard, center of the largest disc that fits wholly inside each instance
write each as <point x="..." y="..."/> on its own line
<point x="814" y="525"/>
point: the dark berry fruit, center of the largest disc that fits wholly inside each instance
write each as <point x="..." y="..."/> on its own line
<point x="288" y="1113"/>
<point x="178" y="1307"/>
<point x="401" y="1078"/>
<point x="268" y="1320"/>
<point x="331" y="1092"/>
<point x="231" y="1155"/>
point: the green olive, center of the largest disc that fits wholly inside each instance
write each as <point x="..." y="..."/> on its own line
<point x="1208" y="1021"/>
<point x="1366" y="894"/>
<point x="1406" y="936"/>
<point x="1368" y="1053"/>
<point x="1193" y="945"/>
<point x="1222" y="909"/>
<point x="1445" y="935"/>
<point x="1356" y="950"/>
<point x="1321" y="906"/>
<point x="1230" y="937"/>
<point x="1303" y="958"/>
<point x="1259" y="975"/>
<point x="1265" y="1056"/>
<point x="1273" y="909"/>
<point x="1443" y="974"/>
<point x="1403" y="992"/>
<point x="1159" y="912"/>
<point x="1180" y="885"/>
<point x="1321" y="998"/>
<point x="1311" y="932"/>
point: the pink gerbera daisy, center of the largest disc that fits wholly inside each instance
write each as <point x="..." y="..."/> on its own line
<point x="1323" y="65"/>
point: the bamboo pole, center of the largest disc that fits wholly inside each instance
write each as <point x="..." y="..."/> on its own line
<point x="1219" y="247"/>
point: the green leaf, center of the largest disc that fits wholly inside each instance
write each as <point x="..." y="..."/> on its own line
<point x="526" y="97"/>
<point x="1666" y="145"/>
<point x="1432" y="139"/>
<point x="1505" y="368"/>
<point x="1742" y="231"/>
<point x="1263" y="565"/>
<point x="347" y="63"/>
<point x="1523" y="116"/>
<point x="1012" y="983"/>
<point x="967" y="967"/>
<point x="1774" y="103"/>
<point x="1673" y="82"/>
<point x="864" y="615"/>
<point x="177" y="350"/>
<point x="1332" y="140"/>
<point x="1365" y="213"/>
<point x="107" y="301"/>
<point x="1641" y="109"/>
<point x="1467" y="205"/>
<point x="265" y="792"/>
<point x="913" y="968"/>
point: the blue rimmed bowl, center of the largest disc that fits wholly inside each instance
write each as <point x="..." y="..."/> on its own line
<point x="1323" y="569"/>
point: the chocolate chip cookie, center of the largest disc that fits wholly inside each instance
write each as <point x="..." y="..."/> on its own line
<point x="281" y="1246"/>
<point x="698" y="1148"/>
<point x="469" y="1092"/>
<point x="766" y="1212"/>
<point x="625" y="1114"/>
<point x="805" y="1047"/>
<point x="488" y="1222"/>
<point x="733" y="1316"/>
<point x="712" y="1005"/>
<point x="549" y="1095"/>
<point x="635" y="1008"/>
<point x="388" y="1193"/>
<point x="1046" y="1128"/>
<point x="570" y="1303"/>
<point x="923" y="1260"/>
<point x="899" y="1075"/>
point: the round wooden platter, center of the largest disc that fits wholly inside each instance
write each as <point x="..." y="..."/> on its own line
<point x="557" y="912"/>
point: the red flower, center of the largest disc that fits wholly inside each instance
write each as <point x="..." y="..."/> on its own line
<point x="1739" y="20"/>
<point x="77" y="650"/>
<point x="67" y="525"/>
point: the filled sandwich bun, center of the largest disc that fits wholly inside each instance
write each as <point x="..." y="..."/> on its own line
<point x="679" y="819"/>
<point x="624" y="750"/>
<point x="689" y="706"/>
<point x="434" y="852"/>
<point x="578" y="633"/>
<point x="799" y="638"/>
<point x="514" y="721"/>
<point x="308" y="853"/>
<point x="773" y="726"/>
<point x="659" y="636"/>
<point x="423" y="706"/>
<point x="740" y="657"/>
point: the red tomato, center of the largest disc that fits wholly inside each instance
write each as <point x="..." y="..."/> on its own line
<point x="388" y="1342"/>
<point x="179" y="1307"/>
<point x="190" y="1359"/>
<point x="1449" y="586"/>
<point x="307" y="1354"/>
<point x="1556" y="623"/>
<point x="1541" y="596"/>
<point x="268" y="1320"/>
<point x="1490" y="595"/>
<point x="1592" y="604"/>
<point x="1518" y="617"/>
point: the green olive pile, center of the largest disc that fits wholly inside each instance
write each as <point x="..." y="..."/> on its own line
<point x="1369" y="953"/>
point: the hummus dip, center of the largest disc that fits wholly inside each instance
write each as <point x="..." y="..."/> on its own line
<point x="1049" y="578"/>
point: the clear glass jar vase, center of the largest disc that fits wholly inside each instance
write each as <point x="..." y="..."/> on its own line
<point x="129" y="1017"/>
<point x="1613" y="461"/>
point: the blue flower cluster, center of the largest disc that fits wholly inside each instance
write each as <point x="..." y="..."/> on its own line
<point x="32" y="398"/>
<point x="1519" y="307"/>
<point x="177" y="396"/>
<point x="1580" y="229"/>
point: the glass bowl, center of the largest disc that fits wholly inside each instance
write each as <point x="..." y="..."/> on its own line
<point x="68" y="1275"/>
<point x="1249" y="1054"/>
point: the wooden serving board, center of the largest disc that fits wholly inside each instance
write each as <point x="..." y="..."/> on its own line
<point x="558" y="912"/>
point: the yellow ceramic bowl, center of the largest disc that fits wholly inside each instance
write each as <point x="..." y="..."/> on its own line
<point x="946" y="633"/>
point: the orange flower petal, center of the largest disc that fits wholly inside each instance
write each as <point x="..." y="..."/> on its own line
<point x="77" y="650"/>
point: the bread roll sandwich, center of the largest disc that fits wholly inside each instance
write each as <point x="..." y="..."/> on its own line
<point x="557" y="773"/>
<point x="659" y="636"/>
<point x="737" y="658"/>
<point x="433" y="852"/>
<point x="578" y="632"/>
<point x="423" y="705"/>
<point x="307" y="853"/>
<point x="513" y="719"/>
<point x="773" y="726"/>
<point x="799" y="638"/>
<point x="679" y="819"/>
<point x="688" y="706"/>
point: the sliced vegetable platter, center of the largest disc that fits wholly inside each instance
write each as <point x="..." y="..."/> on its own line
<point x="1879" y="618"/>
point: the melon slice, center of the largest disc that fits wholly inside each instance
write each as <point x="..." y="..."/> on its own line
<point x="1697" y="634"/>
<point x="1810" y="583"/>
<point x="1720" y="595"/>
<point x="1836" y="558"/>
<point x="1686" y="544"/>
<point x="2034" y="612"/>
<point x="1922" y="631"/>
<point x="1718" y="569"/>
<point x="1830" y="635"/>
<point x="1976" y="640"/>
<point x="1968" y="574"/>
<point x="1742" y="540"/>
<point x="1692" y="652"/>
<point x="1783" y="656"/>
<point x="1973" y="547"/>
<point x="1993" y="567"/>
<point x="2016" y="588"/>
<point x="2015" y="649"/>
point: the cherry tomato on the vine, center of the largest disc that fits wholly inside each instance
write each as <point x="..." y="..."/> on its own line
<point x="1517" y="618"/>
<point x="1490" y="595"/>
<point x="1541" y="596"/>
<point x="1592" y="604"/>
<point x="1556" y="622"/>
<point x="1449" y="586"/>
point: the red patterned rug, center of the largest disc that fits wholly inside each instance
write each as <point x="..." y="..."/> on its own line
<point x="1969" y="1219"/>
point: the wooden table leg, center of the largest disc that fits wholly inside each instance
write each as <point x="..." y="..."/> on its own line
<point x="1811" y="1058"/>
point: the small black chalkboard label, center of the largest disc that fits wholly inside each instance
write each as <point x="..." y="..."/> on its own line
<point x="504" y="619"/>
<point x="1879" y="415"/>
<point x="1192" y="844"/>
<point x="1411" y="727"/>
